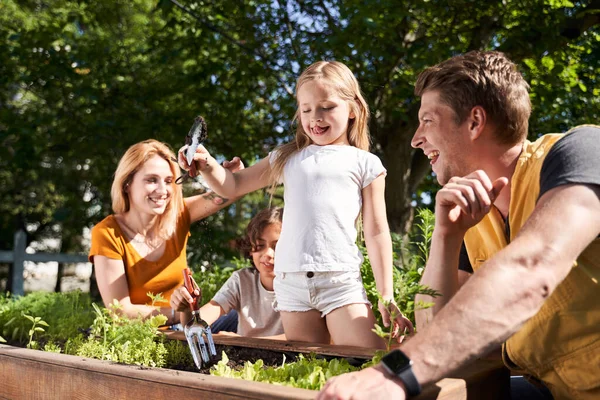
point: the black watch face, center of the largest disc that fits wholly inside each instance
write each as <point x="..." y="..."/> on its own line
<point x="397" y="361"/>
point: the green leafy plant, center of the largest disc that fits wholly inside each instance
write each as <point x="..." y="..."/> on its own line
<point x="387" y="335"/>
<point x="35" y="327"/>
<point x="67" y="314"/>
<point x="409" y="261"/>
<point x="210" y="278"/>
<point x="307" y="372"/>
<point x="155" y="298"/>
<point x="120" y="339"/>
<point x="178" y="356"/>
<point x="52" y="347"/>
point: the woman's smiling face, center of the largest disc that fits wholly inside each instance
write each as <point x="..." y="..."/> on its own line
<point x="151" y="187"/>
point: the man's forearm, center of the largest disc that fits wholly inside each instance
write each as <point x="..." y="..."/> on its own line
<point x="512" y="286"/>
<point x="440" y="274"/>
<point x="488" y="309"/>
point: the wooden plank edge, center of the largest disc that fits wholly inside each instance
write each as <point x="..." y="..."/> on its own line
<point x="285" y="345"/>
<point x="198" y="384"/>
<point x="484" y="377"/>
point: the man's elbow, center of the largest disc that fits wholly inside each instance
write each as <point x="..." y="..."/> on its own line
<point x="541" y="272"/>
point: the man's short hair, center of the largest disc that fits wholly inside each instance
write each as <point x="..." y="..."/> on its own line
<point x="487" y="79"/>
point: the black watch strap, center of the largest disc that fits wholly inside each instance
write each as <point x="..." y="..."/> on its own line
<point x="397" y="363"/>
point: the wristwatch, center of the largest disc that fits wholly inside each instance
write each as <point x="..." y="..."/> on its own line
<point x="397" y="363"/>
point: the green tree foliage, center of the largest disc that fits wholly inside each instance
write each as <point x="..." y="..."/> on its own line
<point x="82" y="81"/>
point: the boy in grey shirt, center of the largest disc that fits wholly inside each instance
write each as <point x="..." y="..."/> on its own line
<point x="249" y="291"/>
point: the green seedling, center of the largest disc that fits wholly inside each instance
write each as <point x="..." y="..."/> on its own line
<point x="35" y="327"/>
<point x="387" y="335"/>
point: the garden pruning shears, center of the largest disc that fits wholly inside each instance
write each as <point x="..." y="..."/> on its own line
<point x="197" y="331"/>
<point x="195" y="137"/>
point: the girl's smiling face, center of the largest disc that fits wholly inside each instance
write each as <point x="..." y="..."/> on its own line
<point x="151" y="187"/>
<point x="324" y="115"/>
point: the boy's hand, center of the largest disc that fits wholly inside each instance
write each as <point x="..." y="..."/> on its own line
<point x="391" y="314"/>
<point x="201" y="160"/>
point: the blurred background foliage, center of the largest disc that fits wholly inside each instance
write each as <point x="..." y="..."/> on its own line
<point x="82" y="81"/>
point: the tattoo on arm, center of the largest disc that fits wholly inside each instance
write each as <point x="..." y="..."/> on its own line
<point x="215" y="198"/>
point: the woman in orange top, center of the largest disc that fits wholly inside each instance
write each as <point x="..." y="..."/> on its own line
<point x="141" y="248"/>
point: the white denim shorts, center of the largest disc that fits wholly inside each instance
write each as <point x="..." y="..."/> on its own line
<point x="321" y="291"/>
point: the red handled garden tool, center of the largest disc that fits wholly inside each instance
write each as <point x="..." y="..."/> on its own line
<point x="197" y="331"/>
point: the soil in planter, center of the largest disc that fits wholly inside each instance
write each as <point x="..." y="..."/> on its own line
<point x="238" y="356"/>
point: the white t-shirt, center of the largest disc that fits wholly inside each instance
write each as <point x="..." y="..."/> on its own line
<point x="323" y="198"/>
<point x="254" y="304"/>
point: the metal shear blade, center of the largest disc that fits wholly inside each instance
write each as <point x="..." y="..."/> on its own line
<point x="197" y="331"/>
<point x="194" y="138"/>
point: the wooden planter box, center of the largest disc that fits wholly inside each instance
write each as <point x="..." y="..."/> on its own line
<point x="32" y="374"/>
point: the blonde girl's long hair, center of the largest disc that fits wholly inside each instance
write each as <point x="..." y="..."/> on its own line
<point x="131" y="162"/>
<point x="338" y="77"/>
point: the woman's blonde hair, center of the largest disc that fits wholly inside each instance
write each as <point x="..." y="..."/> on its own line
<point x="338" y="77"/>
<point x="131" y="162"/>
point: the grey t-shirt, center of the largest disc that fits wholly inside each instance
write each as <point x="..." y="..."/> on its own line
<point x="575" y="158"/>
<point x="244" y="293"/>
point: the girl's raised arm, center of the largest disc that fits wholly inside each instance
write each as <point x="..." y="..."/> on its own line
<point x="224" y="182"/>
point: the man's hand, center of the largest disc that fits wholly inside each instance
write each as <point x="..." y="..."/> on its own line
<point x="463" y="202"/>
<point x="369" y="384"/>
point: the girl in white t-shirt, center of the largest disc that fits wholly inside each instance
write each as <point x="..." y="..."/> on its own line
<point x="249" y="291"/>
<point x="329" y="177"/>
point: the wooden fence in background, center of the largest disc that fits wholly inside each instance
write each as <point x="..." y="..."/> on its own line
<point x="18" y="256"/>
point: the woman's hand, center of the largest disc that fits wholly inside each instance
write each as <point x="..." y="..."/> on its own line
<point x="392" y="314"/>
<point x="234" y="165"/>
<point x="181" y="299"/>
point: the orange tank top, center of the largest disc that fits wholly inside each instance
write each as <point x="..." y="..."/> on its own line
<point x="161" y="276"/>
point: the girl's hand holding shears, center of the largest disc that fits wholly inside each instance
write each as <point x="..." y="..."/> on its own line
<point x="391" y="314"/>
<point x="203" y="160"/>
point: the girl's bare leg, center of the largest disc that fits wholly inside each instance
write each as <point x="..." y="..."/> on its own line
<point x="305" y="326"/>
<point x="351" y="326"/>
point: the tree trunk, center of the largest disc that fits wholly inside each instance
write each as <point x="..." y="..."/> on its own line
<point x="406" y="168"/>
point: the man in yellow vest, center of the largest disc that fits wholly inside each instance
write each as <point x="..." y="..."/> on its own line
<point x="515" y="251"/>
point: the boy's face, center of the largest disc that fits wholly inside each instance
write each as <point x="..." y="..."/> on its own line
<point x="442" y="140"/>
<point x="323" y="114"/>
<point x="263" y="254"/>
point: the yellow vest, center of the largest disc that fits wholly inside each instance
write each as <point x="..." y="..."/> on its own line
<point x="560" y="345"/>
